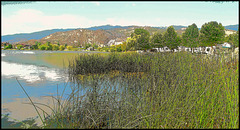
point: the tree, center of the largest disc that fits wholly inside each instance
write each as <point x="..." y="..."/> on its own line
<point x="124" y="46"/>
<point x="61" y="48"/>
<point x="87" y="45"/>
<point x="94" y="45"/>
<point x="212" y="33"/>
<point x="190" y="38"/>
<point x="170" y="38"/>
<point x="157" y="40"/>
<point x="42" y="47"/>
<point x="69" y="47"/>
<point x="233" y="39"/>
<point x="19" y="46"/>
<point x="55" y="47"/>
<point x="38" y="44"/>
<point x="48" y="46"/>
<point x="132" y="42"/>
<point x="8" y="46"/>
<point x="143" y="39"/>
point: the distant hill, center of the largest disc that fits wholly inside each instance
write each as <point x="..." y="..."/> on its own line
<point x="232" y="27"/>
<point x="176" y="27"/>
<point x="38" y="35"/>
<point x="28" y="36"/>
<point x="107" y="27"/>
<point x="80" y="37"/>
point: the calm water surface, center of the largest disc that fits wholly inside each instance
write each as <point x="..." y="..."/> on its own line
<point x="39" y="72"/>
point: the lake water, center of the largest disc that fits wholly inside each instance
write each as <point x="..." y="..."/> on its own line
<point x="41" y="73"/>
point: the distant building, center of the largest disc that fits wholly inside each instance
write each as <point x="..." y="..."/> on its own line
<point x="114" y="42"/>
<point x="101" y="45"/>
<point x="3" y="44"/>
<point x="118" y="43"/>
<point x="111" y="42"/>
<point x="183" y="28"/>
<point x="228" y="32"/>
<point x="166" y="49"/>
<point x="226" y="45"/>
<point x="90" y="49"/>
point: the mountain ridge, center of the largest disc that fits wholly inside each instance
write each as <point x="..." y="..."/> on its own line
<point x="22" y="37"/>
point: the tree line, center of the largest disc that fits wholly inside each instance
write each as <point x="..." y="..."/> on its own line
<point x="210" y="34"/>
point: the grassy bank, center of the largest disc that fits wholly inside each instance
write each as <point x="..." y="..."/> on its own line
<point x="160" y="90"/>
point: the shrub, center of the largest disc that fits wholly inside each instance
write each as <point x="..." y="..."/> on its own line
<point x="19" y="47"/>
<point x="42" y="47"/>
<point x="55" y="47"/>
<point x="69" y="48"/>
<point x="61" y="48"/>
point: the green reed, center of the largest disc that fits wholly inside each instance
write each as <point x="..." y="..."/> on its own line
<point x="151" y="90"/>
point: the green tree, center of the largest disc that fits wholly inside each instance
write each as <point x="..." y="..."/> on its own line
<point x="131" y="42"/>
<point x="157" y="40"/>
<point x="48" y="46"/>
<point x="61" y="48"/>
<point x="34" y="47"/>
<point x="38" y="44"/>
<point x="87" y="45"/>
<point x="143" y="39"/>
<point x="212" y="33"/>
<point x="69" y="47"/>
<point x="42" y="47"/>
<point x="124" y="46"/>
<point x="170" y="38"/>
<point x="95" y="46"/>
<point x="8" y="46"/>
<point x="118" y="48"/>
<point x="190" y="38"/>
<point x="233" y="39"/>
<point x="19" y="46"/>
<point x="55" y="47"/>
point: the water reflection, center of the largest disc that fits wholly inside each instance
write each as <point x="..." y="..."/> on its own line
<point x="38" y="76"/>
<point x="30" y="73"/>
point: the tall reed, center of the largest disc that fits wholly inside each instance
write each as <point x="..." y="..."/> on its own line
<point x="152" y="90"/>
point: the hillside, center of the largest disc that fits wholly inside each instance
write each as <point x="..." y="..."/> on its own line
<point x="79" y="37"/>
<point x="232" y="27"/>
<point x="114" y="31"/>
<point x="27" y="36"/>
<point x="38" y="35"/>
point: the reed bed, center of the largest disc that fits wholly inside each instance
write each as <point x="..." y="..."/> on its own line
<point x="151" y="90"/>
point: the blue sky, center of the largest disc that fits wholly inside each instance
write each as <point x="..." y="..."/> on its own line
<point x="43" y="15"/>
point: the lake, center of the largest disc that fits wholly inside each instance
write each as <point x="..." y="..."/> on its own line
<point x="41" y="73"/>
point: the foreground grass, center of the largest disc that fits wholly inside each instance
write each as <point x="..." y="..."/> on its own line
<point x="161" y="90"/>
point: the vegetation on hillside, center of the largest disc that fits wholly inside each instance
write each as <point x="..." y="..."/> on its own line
<point x="210" y="34"/>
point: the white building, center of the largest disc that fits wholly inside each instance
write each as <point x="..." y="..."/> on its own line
<point x="226" y="45"/>
<point x="166" y="49"/>
<point x="111" y="42"/>
<point x="187" y="49"/>
<point x="101" y="45"/>
<point x="118" y="43"/>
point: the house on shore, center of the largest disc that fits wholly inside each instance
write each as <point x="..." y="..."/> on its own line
<point x="3" y="44"/>
<point x="226" y="45"/>
<point x="115" y="42"/>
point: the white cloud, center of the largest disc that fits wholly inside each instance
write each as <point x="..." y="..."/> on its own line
<point x="29" y="20"/>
